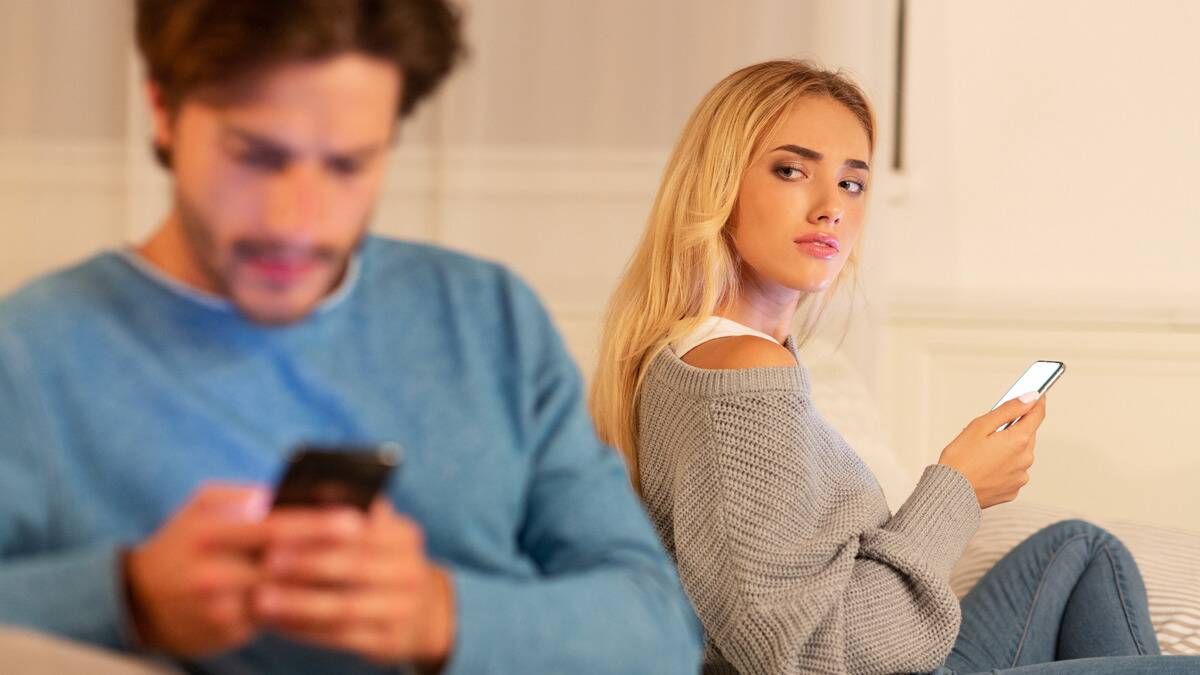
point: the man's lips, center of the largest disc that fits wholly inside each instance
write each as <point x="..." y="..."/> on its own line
<point x="281" y="270"/>
<point x="821" y="246"/>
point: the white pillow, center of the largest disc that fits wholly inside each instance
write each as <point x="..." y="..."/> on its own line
<point x="841" y="396"/>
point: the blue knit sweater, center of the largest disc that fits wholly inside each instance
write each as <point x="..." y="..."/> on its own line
<point x="121" y="393"/>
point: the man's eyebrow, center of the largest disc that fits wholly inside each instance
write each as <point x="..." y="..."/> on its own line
<point x="808" y="153"/>
<point x="256" y="139"/>
<point x="275" y="146"/>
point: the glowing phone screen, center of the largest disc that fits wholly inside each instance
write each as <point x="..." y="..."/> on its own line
<point x="1039" y="375"/>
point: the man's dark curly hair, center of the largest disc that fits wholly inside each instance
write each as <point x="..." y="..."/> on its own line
<point x="189" y="45"/>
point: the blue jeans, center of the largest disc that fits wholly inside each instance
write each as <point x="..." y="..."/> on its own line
<point x="1067" y="600"/>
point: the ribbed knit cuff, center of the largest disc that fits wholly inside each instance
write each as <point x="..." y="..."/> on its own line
<point x="940" y="516"/>
<point x="75" y="594"/>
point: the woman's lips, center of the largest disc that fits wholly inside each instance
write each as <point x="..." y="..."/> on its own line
<point x="819" y="246"/>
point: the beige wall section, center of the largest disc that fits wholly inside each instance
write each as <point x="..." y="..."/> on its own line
<point x="1052" y="148"/>
<point x="1117" y="441"/>
<point x="620" y="74"/>
<point x="1044" y="210"/>
<point x="62" y="68"/>
<point x="59" y="202"/>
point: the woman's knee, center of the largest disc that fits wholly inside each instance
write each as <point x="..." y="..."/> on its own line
<point x="1074" y="529"/>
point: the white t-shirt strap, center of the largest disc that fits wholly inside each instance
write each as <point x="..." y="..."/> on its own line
<point x="712" y="328"/>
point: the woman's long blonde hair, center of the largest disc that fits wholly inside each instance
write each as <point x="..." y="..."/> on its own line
<point x="685" y="267"/>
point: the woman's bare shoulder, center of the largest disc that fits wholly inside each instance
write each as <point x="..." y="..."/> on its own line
<point x="739" y="351"/>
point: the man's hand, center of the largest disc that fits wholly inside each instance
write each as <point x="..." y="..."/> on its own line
<point x="190" y="583"/>
<point x="362" y="584"/>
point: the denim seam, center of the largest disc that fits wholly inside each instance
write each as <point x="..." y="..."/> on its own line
<point x="1119" y="582"/>
<point x="1037" y="594"/>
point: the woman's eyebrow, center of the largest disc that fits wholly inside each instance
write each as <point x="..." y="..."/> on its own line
<point x="803" y="152"/>
<point x="809" y="153"/>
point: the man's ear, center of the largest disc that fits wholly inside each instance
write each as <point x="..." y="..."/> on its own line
<point x="160" y="119"/>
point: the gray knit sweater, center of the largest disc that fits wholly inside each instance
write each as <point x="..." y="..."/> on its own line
<point x="782" y="536"/>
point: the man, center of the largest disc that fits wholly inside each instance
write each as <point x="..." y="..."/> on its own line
<point x="148" y="396"/>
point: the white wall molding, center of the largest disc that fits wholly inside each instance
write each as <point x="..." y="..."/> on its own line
<point x="1115" y="442"/>
<point x="1073" y="312"/>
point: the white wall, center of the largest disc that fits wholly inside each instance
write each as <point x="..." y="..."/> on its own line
<point x="1047" y="211"/>
<point x="61" y="61"/>
<point x="1052" y="150"/>
<point x="62" y="125"/>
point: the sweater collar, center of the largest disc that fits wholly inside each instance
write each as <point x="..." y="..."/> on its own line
<point x="219" y="304"/>
<point x="669" y="369"/>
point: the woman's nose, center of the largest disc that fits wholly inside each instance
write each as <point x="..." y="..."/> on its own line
<point x="827" y="211"/>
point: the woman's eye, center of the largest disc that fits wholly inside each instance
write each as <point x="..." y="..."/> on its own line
<point x="789" y="172"/>
<point x="854" y="186"/>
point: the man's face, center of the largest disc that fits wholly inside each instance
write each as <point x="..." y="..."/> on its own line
<point x="274" y="185"/>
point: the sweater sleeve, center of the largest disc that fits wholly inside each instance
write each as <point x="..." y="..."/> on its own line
<point x="73" y="592"/>
<point x="785" y="548"/>
<point x="907" y="561"/>
<point x="606" y="598"/>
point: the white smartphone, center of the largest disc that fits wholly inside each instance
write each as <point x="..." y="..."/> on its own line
<point x="1040" y="377"/>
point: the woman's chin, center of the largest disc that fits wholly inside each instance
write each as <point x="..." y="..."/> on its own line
<point x="803" y="280"/>
<point x="809" y="285"/>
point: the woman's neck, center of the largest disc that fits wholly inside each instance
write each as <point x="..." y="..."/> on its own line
<point x="767" y="310"/>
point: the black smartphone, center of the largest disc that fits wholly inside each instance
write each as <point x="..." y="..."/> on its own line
<point x="336" y="475"/>
<point x="1039" y="377"/>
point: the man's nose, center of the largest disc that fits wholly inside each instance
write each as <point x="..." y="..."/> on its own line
<point x="296" y="199"/>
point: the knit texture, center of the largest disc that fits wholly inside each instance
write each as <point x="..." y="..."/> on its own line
<point x="782" y="536"/>
<point x="120" y="395"/>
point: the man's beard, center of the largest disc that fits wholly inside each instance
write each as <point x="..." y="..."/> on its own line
<point x="204" y="251"/>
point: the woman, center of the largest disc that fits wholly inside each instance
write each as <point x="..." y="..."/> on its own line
<point x="781" y="533"/>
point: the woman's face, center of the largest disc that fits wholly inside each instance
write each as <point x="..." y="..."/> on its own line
<point x="802" y="203"/>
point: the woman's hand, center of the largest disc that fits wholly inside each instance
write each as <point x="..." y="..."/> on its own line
<point x="997" y="462"/>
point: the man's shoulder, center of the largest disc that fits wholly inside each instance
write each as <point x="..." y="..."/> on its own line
<point x="456" y="291"/>
<point x="396" y="255"/>
<point x="429" y="266"/>
<point x="70" y="294"/>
